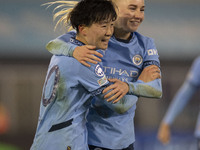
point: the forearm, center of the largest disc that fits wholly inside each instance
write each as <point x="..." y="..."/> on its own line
<point x="59" y="47"/>
<point x="179" y="102"/>
<point x="151" y="89"/>
<point x="123" y="105"/>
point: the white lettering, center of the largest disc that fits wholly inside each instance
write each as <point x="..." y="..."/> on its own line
<point x="152" y="52"/>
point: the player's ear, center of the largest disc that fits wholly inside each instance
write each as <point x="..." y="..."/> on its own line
<point x="82" y="29"/>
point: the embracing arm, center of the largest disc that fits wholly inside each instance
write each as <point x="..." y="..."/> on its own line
<point x="84" y="54"/>
<point x="151" y="89"/>
<point x="148" y="83"/>
<point x="124" y="95"/>
<point x="59" y="47"/>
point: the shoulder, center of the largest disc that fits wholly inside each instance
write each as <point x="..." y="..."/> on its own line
<point x="65" y="62"/>
<point x="143" y="38"/>
<point x="67" y="36"/>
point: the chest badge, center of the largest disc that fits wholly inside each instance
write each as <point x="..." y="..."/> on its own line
<point x="99" y="71"/>
<point x="137" y="60"/>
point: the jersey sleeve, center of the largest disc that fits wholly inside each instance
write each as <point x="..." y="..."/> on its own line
<point x="151" y="56"/>
<point x="194" y="74"/>
<point x="151" y="89"/>
<point x="93" y="78"/>
<point x="179" y="101"/>
<point x="62" y="45"/>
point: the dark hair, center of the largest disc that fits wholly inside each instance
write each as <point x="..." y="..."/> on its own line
<point x="87" y="12"/>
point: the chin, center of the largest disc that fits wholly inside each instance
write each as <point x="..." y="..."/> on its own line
<point x="104" y="47"/>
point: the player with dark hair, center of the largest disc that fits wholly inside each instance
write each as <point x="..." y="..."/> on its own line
<point x="70" y="86"/>
<point x="185" y="93"/>
<point x="131" y="58"/>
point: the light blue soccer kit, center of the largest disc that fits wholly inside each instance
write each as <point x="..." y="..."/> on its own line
<point x="185" y="93"/>
<point x="123" y="60"/>
<point x="67" y="93"/>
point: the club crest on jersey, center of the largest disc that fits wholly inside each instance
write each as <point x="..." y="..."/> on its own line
<point x="99" y="71"/>
<point x="68" y="147"/>
<point x="137" y="59"/>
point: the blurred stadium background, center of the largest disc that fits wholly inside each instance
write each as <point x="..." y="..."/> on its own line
<point x="25" y="28"/>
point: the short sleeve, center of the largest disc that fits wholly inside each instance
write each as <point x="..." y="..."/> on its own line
<point x="151" y="56"/>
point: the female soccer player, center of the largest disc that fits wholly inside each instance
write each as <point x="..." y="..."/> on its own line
<point x="131" y="58"/>
<point x="69" y="86"/>
<point x="187" y="90"/>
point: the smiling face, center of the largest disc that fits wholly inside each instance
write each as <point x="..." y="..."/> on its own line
<point x="98" y="34"/>
<point x="130" y="14"/>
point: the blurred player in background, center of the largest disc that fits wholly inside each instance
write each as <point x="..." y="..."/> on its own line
<point x="132" y="58"/>
<point x="185" y="93"/>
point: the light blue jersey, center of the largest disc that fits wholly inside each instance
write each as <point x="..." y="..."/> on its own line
<point x="123" y="60"/>
<point x="185" y="93"/>
<point x="67" y="93"/>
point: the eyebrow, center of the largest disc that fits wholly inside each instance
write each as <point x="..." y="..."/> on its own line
<point x="132" y="5"/>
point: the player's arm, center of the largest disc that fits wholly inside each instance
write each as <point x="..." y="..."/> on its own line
<point x="148" y="85"/>
<point x="122" y="105"/>
<point x="95" y="81"/>
<point x="182" y="97"/>
<point x="178" y="103"/>
<point x="84" y="54"/>
<point x="152" y="89"/>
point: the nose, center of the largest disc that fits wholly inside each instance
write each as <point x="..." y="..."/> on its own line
<point x="139" y="14"/>
<point x="110" y="30"/>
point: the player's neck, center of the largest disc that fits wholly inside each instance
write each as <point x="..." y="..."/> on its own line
<point x="123" y="35"/>
<point x="81" y="39"/>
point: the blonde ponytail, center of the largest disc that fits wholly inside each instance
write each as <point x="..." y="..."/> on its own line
<point x="63" y="14"/>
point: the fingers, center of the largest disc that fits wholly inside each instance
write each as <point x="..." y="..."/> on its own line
<point x="115" y="94"/>
<point x="153" y="68"/>
<point x="116" y="91"/>
<point x="85" y="64"/>
<point x="107" y="89"/>
<point x="155" y="76"/>
<point x="90" y="47"/>
<point x="120" y="97"/>
<point x="93" y="57"/>
<point x="112" y="86"/>
<point x="113" y="80"/>
<point x="93" y="52"/>
<point x="116" y="97"/>
<point x="86" y="59"/>
<point x="150" y="73"/>
<point x="86" y="54"/>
